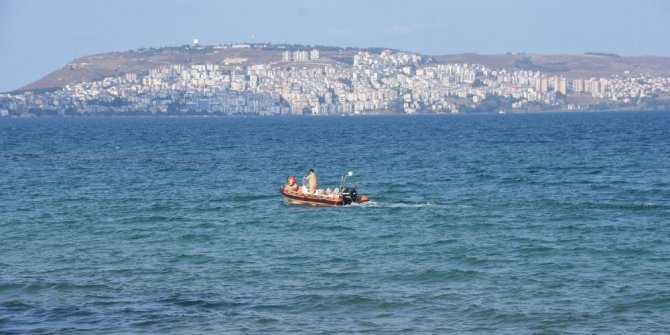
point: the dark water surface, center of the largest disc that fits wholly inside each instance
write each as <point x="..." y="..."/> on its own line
<point x="503" y="224"/>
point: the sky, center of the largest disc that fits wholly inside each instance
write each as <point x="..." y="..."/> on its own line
<point x="40" y="36"/>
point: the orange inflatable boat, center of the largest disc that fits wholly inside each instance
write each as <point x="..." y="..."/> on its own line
<point x="346" y="195"/>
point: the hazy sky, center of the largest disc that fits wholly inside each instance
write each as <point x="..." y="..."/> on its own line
<point x="40" y="36"/>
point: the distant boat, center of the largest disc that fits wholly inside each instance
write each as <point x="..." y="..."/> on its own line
<point x="344" y="195"/>
<point x="501" y="112"/>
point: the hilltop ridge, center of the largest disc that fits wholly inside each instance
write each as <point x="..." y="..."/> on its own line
<point x="569" y="65"/>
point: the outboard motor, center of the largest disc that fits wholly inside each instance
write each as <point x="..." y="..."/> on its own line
<point x="349" y="195"/>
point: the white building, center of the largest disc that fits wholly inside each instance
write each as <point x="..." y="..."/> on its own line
<point x="314" y="54"/>
<point x="299" y="56"/>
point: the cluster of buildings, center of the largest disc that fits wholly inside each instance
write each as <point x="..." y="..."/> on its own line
<point x="300" y="55"/>
<point x="299" y="84"/>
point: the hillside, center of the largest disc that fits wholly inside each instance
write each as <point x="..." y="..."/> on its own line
<point x="571" y="66"/>
<point x="99" y="66"/>
<point x="96" y="67"/>
<point x="291" y="79"/>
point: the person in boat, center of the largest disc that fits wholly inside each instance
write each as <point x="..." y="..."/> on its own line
<point x="312" y="182"/>
<point x="291" y="184"/>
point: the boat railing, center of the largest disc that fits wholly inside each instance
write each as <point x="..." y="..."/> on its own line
<point x="349" y="178"/>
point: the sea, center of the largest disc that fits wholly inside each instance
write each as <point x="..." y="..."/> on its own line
<point x="546" y="223"/>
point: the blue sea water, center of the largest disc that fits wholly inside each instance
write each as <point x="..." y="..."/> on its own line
<point x="478" y="224"/>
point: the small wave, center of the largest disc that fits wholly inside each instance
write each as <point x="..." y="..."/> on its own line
<point x="625" y="206"/>
<point x="512" y="180"/>
<point x="150" y="218"/>
<point x="339" y="274"/>
<point x="195" y="302"/>
<point x="430" y="276"/>
<point x="295" y="259"/>
<point x="193" y="258"/>
<point x="388" y="236"/>
<point x="488" y="312"/>
<point x="534" y="250"/>
<point x="250" y="197"/>
<point x="270" y="307"/>
<point x="474" y="261"/>
<point x="266" y="320"/>
<point x="140" y="236"/>
<point x="15" y="305"/>
<point x="356" y="300"/>
<point x="61" y="287"/>
<point x="642" y="304"/>
<point x="445" y="241"/>
<point x="334" y="227"/>
<point x="206" y="225"/>
<point x="339" y="260"/>
<point x="196" y="237"/>
<point x="317" y="302"/>
<point x="205" y="304"/>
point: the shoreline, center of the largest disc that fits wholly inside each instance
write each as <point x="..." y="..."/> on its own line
<point x="379" y="114"/>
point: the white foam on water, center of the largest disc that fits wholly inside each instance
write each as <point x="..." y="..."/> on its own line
<point x="376" y="204"/>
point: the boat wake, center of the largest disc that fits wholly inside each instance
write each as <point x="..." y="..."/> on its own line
<point x="378" y="204"/>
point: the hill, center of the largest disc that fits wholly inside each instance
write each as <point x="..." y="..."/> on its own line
<point x="99" y="66"/>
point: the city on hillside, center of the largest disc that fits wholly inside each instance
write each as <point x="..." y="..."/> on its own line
<point x="374" y="82"/>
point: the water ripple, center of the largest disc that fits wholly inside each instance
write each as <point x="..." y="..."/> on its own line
<point x="531" y="224"/>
